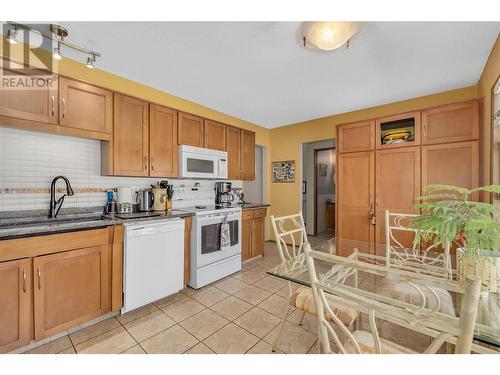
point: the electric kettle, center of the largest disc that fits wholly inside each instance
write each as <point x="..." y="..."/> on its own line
<point x="145" y="198"/>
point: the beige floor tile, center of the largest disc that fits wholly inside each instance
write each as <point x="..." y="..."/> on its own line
<point x="112" y="342"/>
<point x="314" y="349"/>
<point x="258" y="322"/>
<point x="271" y="284"/>
<point x="276" y="305"/>
<point x="52" y="347"/>
<point x="94" y="330"/>
<point x="68" y="351"/>
<point x="175" y="340"/>
<point x="231" y="285"/>
<point x="137" y="313"/>
<point x="149" y="325"/>
<point x="210" y="296"/>
<point x="248" y="277"/>
<point x="261" y="268"/>
<point x="294" y="340"/>
<point x="231" y="340"/>
<point x="188" y="291"/>
<point x="200" y="348"/>
<point x="310" y="322"/>
<point x="183" y="309"/>
<point x="231" y="307"/>
<point x="168" y="300"/>
<point x="285" y="291"/>
<point x="263" y="347"/>
<point x="252" y="295"/>
<point x="136" y="349"/>
<point x="204" y="324"/>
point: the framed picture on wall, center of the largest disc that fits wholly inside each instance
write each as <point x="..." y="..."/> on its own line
<point x="283" y="171"/>
<point x="323" y="169"/>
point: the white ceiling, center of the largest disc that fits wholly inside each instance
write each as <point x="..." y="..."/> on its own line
<point x="258" y="72"/>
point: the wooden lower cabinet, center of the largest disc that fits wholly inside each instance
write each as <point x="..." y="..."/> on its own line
<point x="258" y="237"/>
<point x="253" y="233"/>
<point x="330" y="216"/>
<point x="15" y="303"/>
<point x="246" y="239"/>
<point x="52" y="283"/>
<point x="70" y="288"/>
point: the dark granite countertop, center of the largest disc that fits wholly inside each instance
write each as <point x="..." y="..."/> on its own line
<point x="16" y="224"/>
<point x="249" y="206"/>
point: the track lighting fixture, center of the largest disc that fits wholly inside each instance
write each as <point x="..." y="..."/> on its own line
<point x="11" y="36"/>
<point x="57" y="52"/>
<point x="58" y="34"/>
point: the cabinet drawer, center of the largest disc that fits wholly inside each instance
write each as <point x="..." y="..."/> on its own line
<point x="260" y="212"/>
<point x="247" y="214"/>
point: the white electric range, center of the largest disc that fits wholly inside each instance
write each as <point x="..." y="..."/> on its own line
<point x="210" y="262"/>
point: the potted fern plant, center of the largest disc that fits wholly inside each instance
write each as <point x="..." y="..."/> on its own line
<point x="449" y="216"/>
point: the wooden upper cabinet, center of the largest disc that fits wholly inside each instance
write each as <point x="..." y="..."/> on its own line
<point x="191" y="130"/>
<point x="215" y="135"/>
<point x="130" y="137"/>
<point x="397" y="186"/>
<point x="84" y="106"/>
<point x="247" y="155"/>
<point x="38" y="104"/>
<point x="355" y="196"/>
<point x="401" y="130"/>
<point x="163" y="149"/>
<point x="70" y="288"/>
<point x="451" y="123"/>
<point x="15" y="304"/>
<point x="233" y="149"/>
<point x="452" y="164"/>
<point x="355" y="137"/>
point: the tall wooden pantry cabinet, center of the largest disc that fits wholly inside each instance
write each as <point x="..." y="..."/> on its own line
<point x="383" y="164"/>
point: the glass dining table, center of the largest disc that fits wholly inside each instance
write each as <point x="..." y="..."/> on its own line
<point x="487" y="330"/>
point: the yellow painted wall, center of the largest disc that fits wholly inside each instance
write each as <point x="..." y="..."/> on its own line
<point x="488" y="78"/>
<point x="286" y="141"/>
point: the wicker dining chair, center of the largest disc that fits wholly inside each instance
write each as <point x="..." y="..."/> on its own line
<point x="290" y="236"/>
<point x="417" y="316"/>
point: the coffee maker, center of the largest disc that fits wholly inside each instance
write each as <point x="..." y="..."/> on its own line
<point x="223" y="196"/>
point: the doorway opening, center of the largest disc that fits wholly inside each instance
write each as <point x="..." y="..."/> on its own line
<point x="318" y="187"/>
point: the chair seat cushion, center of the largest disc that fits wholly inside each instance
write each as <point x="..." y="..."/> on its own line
<point x="367" y="345"/>
<point x="303" y="299"/>
<point x="402" y="291"/>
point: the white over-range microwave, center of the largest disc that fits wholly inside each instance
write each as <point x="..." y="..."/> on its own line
<point x="197" y="162"/>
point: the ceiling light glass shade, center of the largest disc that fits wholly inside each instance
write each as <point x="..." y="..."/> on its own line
<point x="90" y="63"/>
<point x="11" y="37"/>
<point x="328" y="36"/>
<point x="57" y="54"/>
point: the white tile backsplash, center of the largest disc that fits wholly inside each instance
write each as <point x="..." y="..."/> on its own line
<point x="31" y="160"/>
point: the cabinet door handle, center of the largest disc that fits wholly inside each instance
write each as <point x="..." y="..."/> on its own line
<point x="372" y="139"/>
<point x="53" y="99"/>
<point x="424" y="130"/>
<point x="39" y="278"/>
<point x="152" y="164"/>
<point x="24" y="280"/>
<point x="145" y="163"/>
<point x="372" y="213"/>
<point x="63" y="107"/>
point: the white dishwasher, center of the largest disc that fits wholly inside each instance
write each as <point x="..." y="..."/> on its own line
<point x="153" y="262"/>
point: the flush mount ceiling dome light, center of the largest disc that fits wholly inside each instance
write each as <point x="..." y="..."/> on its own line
<point x="328" y="36"/>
